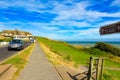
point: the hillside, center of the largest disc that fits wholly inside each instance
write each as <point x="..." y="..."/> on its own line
<point x="79" y="57"/>
<point x="18" y="32"/>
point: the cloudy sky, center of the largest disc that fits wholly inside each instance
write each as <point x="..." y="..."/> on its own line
<point x="61" y="19"/>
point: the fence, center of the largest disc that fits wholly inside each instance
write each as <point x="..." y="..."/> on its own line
<point x="95" y="70"/>
<point x="95" y="66"/>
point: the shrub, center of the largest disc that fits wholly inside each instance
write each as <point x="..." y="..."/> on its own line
<point x="107" y="48"/>
<point x="95" y="51"/>
<point x="7" y="39"/>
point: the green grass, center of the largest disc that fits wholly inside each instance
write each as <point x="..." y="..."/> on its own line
<point x="68" y="52"/>
<point x="111" y="75"/>
<point x="110" y="63"/>
<point x="80" y="57"/>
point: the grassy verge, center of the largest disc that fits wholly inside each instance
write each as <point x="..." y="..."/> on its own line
<point x="67" y="52"/>
<point x="80" y="57"/>
<point x="19" y="60"/>
<point x="70" y="53"/>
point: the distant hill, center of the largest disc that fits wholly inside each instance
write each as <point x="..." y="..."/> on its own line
<point x="16" y="32"/>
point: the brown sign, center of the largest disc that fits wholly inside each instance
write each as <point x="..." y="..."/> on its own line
<point x="112" y="28"/>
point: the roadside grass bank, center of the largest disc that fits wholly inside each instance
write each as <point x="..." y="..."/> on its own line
<point x="79" y="56"/>
<point x="19" y="60"/>
<point x="66" y="52"/>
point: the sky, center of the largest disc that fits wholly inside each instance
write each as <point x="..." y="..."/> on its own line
<point x="68" y="20"/>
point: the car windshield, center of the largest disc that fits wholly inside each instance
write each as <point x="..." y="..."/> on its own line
<point x="15" y="41"/>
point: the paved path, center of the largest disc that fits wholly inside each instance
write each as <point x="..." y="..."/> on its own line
<point x="38" y="67"/>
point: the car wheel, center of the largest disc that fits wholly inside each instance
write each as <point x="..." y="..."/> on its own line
<point x="20" y="48"/>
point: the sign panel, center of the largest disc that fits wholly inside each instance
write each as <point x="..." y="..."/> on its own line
<point x="112" y="28"/>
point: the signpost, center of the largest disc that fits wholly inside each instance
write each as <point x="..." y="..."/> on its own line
<point x="111" y="28"/>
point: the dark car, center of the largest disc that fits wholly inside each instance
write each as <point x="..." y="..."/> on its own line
<point x="16" y="44"/>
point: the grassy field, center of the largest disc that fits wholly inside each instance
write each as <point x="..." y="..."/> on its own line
<point x="80" y="57"/>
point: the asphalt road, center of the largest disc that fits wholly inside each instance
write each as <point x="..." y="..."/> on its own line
<point x="4" y="53"/>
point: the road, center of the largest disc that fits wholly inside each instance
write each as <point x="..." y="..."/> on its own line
<point x="4" y="53"/>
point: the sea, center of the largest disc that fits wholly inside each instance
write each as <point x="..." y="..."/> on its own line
<point x="91" y="44"/>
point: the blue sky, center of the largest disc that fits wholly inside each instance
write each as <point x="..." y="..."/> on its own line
<point x="61" y="19"/>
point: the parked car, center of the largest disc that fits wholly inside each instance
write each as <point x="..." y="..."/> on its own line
<point x="16" y="44"/>
<point x="32" y="40"/>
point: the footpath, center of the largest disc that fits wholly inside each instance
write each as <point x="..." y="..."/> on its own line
<point x="38" y="67"/>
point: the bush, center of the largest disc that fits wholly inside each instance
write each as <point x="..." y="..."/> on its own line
<point x="7" y="39"/>
<point x="108" y="48"/>
<point x="95" y="51"/>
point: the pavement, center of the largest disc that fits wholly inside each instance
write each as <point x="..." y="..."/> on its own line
<point x="38" y="67"/>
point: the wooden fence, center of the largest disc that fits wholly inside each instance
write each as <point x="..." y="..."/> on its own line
<point x="95" y="71"/>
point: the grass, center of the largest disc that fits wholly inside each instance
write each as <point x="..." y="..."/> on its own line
<point x="66" y="51"/>
<point x="69" y="52"/>
<point x="80" y="57"/>
<point x="111" y="75"/>
<point x="110" y="63"/>
<point x="19" y="60"/>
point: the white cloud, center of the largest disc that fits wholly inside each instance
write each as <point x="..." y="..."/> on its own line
<point x="1" y="26"/>
<point x="76" y="15"/>
<point x="107" y="22"/>
<point x="116" y="3"/>
<point x="56" y="33"/>
<point x="27" y="5"/>
<point x="69" y="23"/>
<point x="78" y="11"/>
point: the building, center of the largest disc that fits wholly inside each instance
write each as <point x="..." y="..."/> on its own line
<point x="16" y="34"/>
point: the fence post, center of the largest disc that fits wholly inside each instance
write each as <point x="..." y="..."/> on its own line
<point x="102" y="65"/>
<point x="90" y="68"/>
<point x="97" y="69"/>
